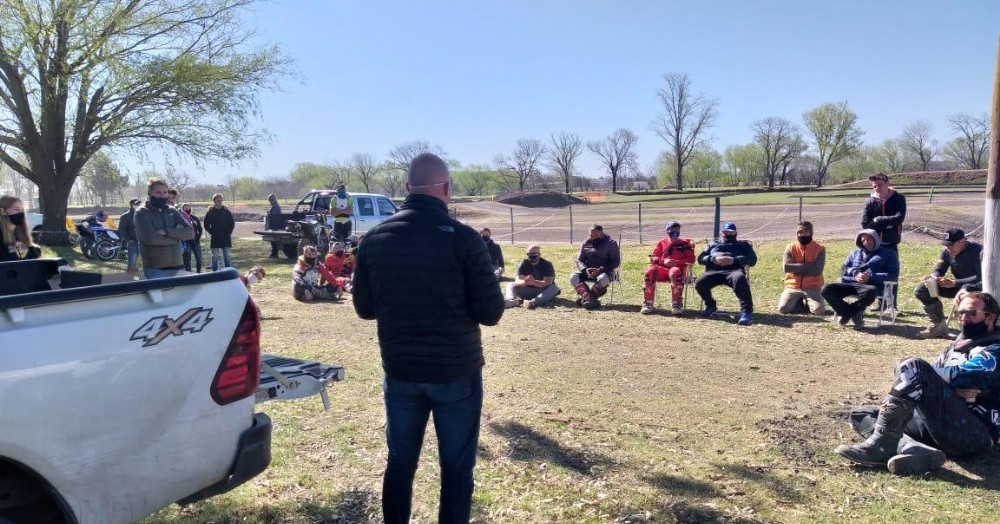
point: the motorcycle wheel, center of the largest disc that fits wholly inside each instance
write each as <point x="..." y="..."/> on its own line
<point x="106" y="249"/>
<point x="87" y="248"/>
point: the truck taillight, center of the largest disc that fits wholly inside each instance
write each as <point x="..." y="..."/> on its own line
<point x="239" y="371"/>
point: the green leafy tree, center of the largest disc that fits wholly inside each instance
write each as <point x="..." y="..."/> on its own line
<point x="313" y="176"/>
<point x="780" y="141"/>
<point x="889" y="157"/>
<point x="835" y="134"/>
<point x="82" y="75"/>
<point x="102" y="177"/>
<point x="744" y="164"/>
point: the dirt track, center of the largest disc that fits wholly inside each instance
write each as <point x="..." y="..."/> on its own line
<point x="758" y="223"/>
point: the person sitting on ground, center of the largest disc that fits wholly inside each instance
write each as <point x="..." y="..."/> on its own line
<point x="964" y="258"/>
<point x="308" y="276"/>
<point x="804" y="262"/>
<point x="15" y="237"/>
<point x="950" y="408"/>
<point x="535" y="283"/>
<point x="726" y="262"/>
<point x="253" y="276"/>
<point x="669" y="261"/>
<point x="340" y="264"/>
<point x="598" y="259"/>
<point x="496" y="254"/>
<point x="863" y="276"/>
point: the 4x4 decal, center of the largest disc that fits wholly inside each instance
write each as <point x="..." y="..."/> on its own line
<point x="154" y="330"/>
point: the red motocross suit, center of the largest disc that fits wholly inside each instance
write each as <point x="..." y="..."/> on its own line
<point x="341" y="267"/>
<point x="681" y="252"/>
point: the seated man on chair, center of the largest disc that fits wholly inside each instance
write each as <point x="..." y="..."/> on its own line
<point x="804" y="262"/>
<point x="669" y="261"/>
<point x="598" y="259"/>
<point x="964" y="258"/>
<point x="863" y="276"/>
<point x="726" y="262"/>
<point x="535" y="283"/>
<point x="950" y="408"/>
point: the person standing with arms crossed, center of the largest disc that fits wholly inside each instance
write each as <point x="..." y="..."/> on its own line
<point x="428" y="282"/>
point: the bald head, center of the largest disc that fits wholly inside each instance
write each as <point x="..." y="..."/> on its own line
<point x="428" y="175"/>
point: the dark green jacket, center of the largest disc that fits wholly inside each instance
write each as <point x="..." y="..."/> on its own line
<point x="161" y="251"/>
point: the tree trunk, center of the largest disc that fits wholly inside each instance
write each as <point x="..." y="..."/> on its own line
<point x="568" y="179"/>
<point x="679" y="177"/>
<point x="53" y="198"/>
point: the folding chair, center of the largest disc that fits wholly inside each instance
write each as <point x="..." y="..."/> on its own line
<point x="887" y="313"/>
<point x="689" y="283"/>
<point x="616" y="278"/>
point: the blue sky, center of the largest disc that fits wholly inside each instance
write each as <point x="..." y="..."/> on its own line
<point x="477" y="76"/>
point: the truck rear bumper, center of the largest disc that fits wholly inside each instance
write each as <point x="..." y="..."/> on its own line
<point x="252" y="457"/>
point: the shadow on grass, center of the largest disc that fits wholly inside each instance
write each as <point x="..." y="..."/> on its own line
<point x="681" y="511"/>
<point x="529" y="445"/>
<point x="683" y="486"/>
<point x="762" y="476"/>
<point x="986" y="467"/>
<point x="348" y="507"/>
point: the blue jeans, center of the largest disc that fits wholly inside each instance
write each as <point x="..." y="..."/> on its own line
<point x="151" y="273"/>
<point x="456" y="407"/>
<point x="194" y="248"/>
<point x="133" y="254"/>
<point x="221" y="255"/>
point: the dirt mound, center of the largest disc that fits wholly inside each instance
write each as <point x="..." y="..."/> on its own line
<point x="541" y="199"/>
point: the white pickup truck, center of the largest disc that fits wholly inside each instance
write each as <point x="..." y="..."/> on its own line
<point x="117" y="400"/>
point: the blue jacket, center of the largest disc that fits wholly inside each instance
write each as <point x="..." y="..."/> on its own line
<point x="881" y="263"/>
<point x="741" y="251"/>
<point x="974" y="366"/>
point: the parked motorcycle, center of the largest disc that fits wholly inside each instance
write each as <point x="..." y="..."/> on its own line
<point x="97" y="241"/>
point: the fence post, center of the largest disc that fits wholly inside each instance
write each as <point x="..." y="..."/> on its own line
<point x="640" y="223"/>
<point x="571" y="224"/>
<point x="715" y="223"/>
<point x="931" y="199"/>
<point x="800" y="208"/>
<point x="512" y="226"/>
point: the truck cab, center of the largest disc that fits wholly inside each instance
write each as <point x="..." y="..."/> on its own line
<point x="370" y="209"/>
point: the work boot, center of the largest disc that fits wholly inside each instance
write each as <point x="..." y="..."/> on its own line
<point x="585" y="296"/>
<point x="859" y="320"/>
<point x="677" y="309"/>
<point x="915" y="458"/>
<point x="938" y="329"/>
<point x="591" y="303"/>
<point x="647" y="308"/>
<point x="883" y="443"/>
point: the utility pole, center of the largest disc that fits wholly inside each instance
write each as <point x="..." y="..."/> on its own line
<point x="991" y="216"/>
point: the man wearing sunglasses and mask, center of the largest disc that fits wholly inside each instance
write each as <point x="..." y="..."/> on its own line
<point x="535" y="283"/>
<point x="950" y="408"/>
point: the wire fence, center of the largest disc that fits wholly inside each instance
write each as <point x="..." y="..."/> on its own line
<point x="644" y="223"/>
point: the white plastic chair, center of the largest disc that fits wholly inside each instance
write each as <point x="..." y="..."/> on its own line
<point x="887" y="313"/>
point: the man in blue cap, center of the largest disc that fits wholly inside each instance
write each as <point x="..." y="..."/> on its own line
<point x="725" y="262"/>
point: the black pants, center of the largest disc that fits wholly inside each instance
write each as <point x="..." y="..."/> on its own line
<point x="274" y="248"/>
<point x="733" y="278"/>
<point x="835" y="292"/>
<point x="341" y="231"/>
<point x="942" y="419"/>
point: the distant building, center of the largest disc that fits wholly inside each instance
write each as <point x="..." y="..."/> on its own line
<point x="640" y="185"/>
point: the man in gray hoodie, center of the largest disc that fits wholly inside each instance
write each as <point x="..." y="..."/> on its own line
<point x="863" y="276"/>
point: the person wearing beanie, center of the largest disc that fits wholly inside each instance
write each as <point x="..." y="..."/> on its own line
<point x="669" y="261"/>
<point x="726" y="261"/>
<point x="864" y="274"/>
<point x="963" y="258"/>
<point x="804" y="262"/>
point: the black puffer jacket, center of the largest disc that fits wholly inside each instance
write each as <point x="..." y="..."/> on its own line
<point x="885" y="217"/>
<point x="427" y="280"/>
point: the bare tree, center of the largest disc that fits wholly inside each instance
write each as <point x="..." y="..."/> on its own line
<point x="781" y="140"/>
<point x="617" y="153"/>
<point x="565" y="149"/>
<point x="917" y="140"/>
<point x="393" y="180"/>
<point x="889" y="156"/>
<point x="401" y="155"/>
<point x="974" y="138"/>
<point x="364" y="167"/>
<point x="522" y="164"/>
<point x="835" y="134"/>
<point x="178" y="179"/>
<point x="685" y="119"/>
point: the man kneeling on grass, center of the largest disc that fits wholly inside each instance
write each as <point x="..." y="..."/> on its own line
<point x="535" y="283"/>
<point x="310" y="278"/>
<point x="950" y="408"/>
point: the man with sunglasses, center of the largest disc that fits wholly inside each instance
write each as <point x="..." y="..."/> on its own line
<point x="950" y="408"/>
<point x="963" y="258"/>
<point x="535" y="283"/>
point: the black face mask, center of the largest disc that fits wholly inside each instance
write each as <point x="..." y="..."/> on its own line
<point x="310" y="260"/>
<point x="486" y="238"/>
<point x="534" y="258"/>
<point x="16" y="219"/>
<point x="805" y="240"/>
<point x="729" y="239"/>
<point x="158" y="202"/>
<point x="674" y="234"/>
<point x="973" y="330"/>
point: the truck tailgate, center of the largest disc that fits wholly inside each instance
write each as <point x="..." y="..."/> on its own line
<point x="285" y="378"/>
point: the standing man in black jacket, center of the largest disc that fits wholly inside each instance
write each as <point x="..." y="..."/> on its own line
<point x="274" y="222"/>
<point x="428" y="282"/>
<point x="884" y="212"/>
<point x="219" y="223"/>
<point x="496" y="254"/>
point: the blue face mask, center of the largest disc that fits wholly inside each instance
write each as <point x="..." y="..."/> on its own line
<point x="341" y="193"/>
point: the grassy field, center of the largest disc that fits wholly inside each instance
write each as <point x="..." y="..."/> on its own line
<point x="613" y="417"/>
